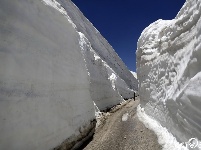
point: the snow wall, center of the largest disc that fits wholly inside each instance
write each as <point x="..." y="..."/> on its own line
<point x="169" y="71"/>
<point x="110" y="79"/>
<point x="51" y="71"/>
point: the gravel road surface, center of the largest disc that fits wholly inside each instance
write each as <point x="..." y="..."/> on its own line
<point x="120" y="129"/>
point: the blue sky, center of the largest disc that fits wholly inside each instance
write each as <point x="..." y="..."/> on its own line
<point x="122" y="21"/>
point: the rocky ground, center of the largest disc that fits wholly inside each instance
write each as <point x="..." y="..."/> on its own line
<point x="120" y="129"/>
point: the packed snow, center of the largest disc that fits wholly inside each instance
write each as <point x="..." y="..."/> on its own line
<point x="169" y="72"/>
<point x="165" y="138"/>
<point x="125" y="117"/>
<point x="56" y="73"/>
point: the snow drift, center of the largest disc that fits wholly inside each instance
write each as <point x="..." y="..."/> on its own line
<point x="53" y="66"/>
<point x="169" y="71"/>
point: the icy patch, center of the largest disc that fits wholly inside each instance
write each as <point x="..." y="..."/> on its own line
<point x="113" y="78"/>
<point x="124" y="117"/>
<point x="165" y="138"/>
<point x="96" y="57"/>
<point x="98" y="115"/>
<point x="97" y="111"/>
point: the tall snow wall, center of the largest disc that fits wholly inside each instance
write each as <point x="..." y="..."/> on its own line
<point x="44" y="85"/>
<point x="110" y="79"/>
<point x="169" y="71"/>
<point x="50" y="74"/>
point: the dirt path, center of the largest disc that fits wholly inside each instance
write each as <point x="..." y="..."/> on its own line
<point x="123" y="131"/>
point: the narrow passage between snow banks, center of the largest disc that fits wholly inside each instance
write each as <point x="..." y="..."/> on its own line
<point x="122" y="130"/>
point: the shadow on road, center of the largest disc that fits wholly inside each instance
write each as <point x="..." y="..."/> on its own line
<point x="85" y="143"/>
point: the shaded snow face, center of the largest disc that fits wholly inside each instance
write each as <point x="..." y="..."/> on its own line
<point x="169" y="71"/>
<point x="53" y="65"/>
<point x="44" y="87"/>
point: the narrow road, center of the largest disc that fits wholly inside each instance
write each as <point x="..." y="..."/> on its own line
<point x="121" y="130"/>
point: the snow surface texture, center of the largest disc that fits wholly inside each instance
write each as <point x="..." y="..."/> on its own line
<point x="51" y="72"/>
<point x="169" y="71"/>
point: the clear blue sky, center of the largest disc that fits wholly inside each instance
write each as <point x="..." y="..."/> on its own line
<point x="122" y="21"/>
